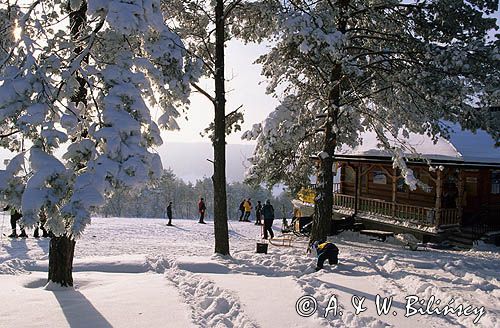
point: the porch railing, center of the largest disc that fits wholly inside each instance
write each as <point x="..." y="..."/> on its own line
<point x="415" y="214"/>
<point x="449" y="216"/>
<point x="375" y="206"/>
<point x="343" y="202"/>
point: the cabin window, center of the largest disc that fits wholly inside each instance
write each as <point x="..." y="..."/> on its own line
<point x="350" y="175"/>
<point x="379" y="177"/>
<point x="401" y="185"/>
<point x="495" y="182"/>
<point x="452" y="177"/>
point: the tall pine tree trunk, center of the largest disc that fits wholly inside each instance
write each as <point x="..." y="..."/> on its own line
<point x="62" y="248"/>
<point x="219" y="142"/>
<point x="324" y="198"/>
<point x="61" y="252"/>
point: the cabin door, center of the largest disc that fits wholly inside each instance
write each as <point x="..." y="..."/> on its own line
<point x="472" y="203"/>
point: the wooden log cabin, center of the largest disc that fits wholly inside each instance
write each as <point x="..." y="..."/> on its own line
<point x="464" y="190"/>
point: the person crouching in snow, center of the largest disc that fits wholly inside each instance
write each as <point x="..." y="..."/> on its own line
<point x="326" y="250"/>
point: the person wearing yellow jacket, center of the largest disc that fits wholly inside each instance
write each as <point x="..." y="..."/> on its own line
<point x="248" y="209"/>
<point x="326" y="250"/>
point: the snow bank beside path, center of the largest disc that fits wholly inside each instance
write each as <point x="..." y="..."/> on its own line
<point x="98" y="300"/>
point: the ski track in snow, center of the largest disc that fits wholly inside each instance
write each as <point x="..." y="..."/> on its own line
<point x="211" y="305"/>
<point x="183" y="254"/>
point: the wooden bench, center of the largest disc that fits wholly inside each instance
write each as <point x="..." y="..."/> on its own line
<point x="379" y="235"/>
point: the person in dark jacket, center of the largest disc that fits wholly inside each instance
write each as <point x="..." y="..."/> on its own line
<point x="201" y="209"/>
<point x="258" y="213"/>
<point x="41" y="226"/>
<point x="326" y="250"/>
<point x="14" y="217"/>
<point x="268" y="213"/>
<point x="242" y="209"/>
<point x="169" y="214"/>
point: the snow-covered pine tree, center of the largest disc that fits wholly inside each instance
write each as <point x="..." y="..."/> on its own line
<point x="388" y="66"/>
<point x="206" y="26"/>
<point x="81" y="78"/>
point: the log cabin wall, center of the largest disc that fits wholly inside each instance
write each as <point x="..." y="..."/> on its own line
<point x="376" y="183"/>
<point x="477" y="190"/>
<point x="482" y="197"/>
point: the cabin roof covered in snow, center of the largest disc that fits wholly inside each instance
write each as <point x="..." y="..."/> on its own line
<point x="464" y="147"/>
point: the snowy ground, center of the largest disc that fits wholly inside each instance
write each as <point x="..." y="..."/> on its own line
<point x="141" y="273"/>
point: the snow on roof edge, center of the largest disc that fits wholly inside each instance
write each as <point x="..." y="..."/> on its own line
<point x="463" y="146"/>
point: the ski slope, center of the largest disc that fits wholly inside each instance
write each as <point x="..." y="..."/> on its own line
<point x="141" y="273"/>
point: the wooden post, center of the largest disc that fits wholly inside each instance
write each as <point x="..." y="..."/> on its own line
<point x="342" y="176"/>
<point x="394" y="186"/>
<point x="439" y="187"/>
<point x="356" y="189"/>
<point x="460" y="197"/>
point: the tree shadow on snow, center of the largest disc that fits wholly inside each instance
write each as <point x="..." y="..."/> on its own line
<point x="179" y="228"/>
<point x="17" y="248"/>
<point x="44" y="243"/>
<point x="233" y="233"/>
<point x="276" y="269"/>
<point x="78" y="310"/>
<point x="348" y="267"/>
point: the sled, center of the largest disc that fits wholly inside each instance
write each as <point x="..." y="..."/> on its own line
<point x="282" y="241"/>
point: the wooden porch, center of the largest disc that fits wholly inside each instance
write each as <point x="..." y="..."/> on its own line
<point x="378" y="191"/>
<point x="400" y="212"/>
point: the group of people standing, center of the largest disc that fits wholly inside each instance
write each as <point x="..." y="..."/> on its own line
<point x="262" y="213"/>
<point x="265" y="212"/>
<point x="15" y="217"/>
<point x="246" y="209"/>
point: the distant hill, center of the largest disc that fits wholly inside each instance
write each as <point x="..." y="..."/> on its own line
<point x="189" y="160"/>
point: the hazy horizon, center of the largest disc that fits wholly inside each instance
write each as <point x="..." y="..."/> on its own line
<point x="188" y="160"/>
